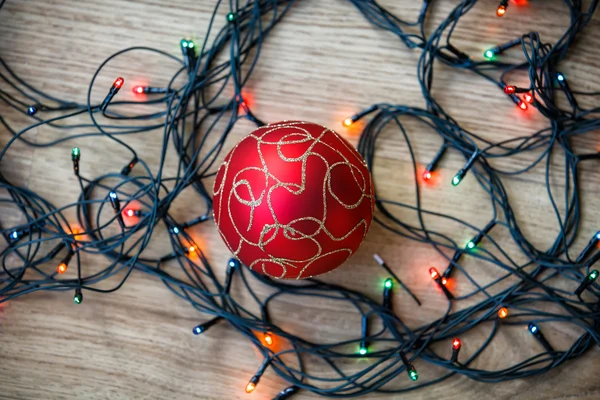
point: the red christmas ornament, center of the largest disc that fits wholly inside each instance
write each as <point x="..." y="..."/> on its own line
<point x="293" y="200"/>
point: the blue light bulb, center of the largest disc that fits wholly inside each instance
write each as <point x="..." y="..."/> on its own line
<point x="532" y="327"/>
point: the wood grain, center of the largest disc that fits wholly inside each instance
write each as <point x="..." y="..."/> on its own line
<point x="321" y="64"/>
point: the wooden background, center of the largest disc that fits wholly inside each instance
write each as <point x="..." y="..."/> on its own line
<point x="323" y="63"/>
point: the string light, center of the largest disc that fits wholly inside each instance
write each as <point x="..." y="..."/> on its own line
<point x="130" y="212"/>
<point x="32" y="110"/>
<point x="528" y="98"/>
<point x="490" y="54"/>
<point x="501" y="10"/>
<point x="78" y="297"/>
<point x="388" y="284"/>
<point x="351" y="120"/>
<point x="537" y="333"/>
<point x="116" y="86"/>
<point x="114" y="201"/>
<point x="231" y="17"/>
<point x="387" y="293"/>
<point x="456" y="345"/>
<point x="205" y="326"/>
<point x="206" y="292"/>
<point x="435" y="275"/>
<point x="189" y="54"/>
<point x="127" y="169"/>
<point x="587" y="282"/>
<point x="256" y="378"/>
<point x="410" y="369"/>
<point x="463" y="171"/>
<point x="75" y="157"/>
<point x="153" y="90"/>
<point x="62" y="266"/>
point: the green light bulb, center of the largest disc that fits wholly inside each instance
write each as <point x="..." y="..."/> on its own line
<point x="184" y="43"/>
<point x="489" y="54"/>
<point x="230" y="17"/>
<point x="388" y="283"/>
<point x="413" y="374"/>
<point x="191" y="44"/>
<point x="78" y="298"/>
<point x="362" y="351"/>
<point x="455" y="180"/>
<point x="593" y="275"/>
<point x="470" y="245"/>
<point x="75" y="154"/>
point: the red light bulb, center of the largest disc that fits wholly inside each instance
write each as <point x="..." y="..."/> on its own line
<point x="500" y="11"/>
<point x="522" y="105"/>
<point x="528" y="98"/>
<point x="434" y="273"/>
<point x="130" y="213"/>
<point x="456" y="344"/>
<point x="138" y="89"/>
<point x="118" y="83"/>
<point x="509" y="89"/>
<point x="426" y="175"/>
<point x="444" y="281"/>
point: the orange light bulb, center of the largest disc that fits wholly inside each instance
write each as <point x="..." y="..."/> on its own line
<point x="62" y="268"/>
<point x="503" y="312"/>
<point x="191" y="249"/>
<point x="347" y="122"/>
<point x="500" y="11"/>
<point x="268" y="339"/>
<point x="250" y="387"/>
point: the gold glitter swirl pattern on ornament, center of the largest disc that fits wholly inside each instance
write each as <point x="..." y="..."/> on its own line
<point x="243" y="193"/>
